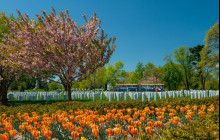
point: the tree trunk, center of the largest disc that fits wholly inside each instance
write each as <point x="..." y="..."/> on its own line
<point x="69" y="92"/>
<point x="3" y="93"/>
<point x="106" y="87"/>
<point x="202" y="82"/>
<point x="187" y="81"/>
<point x="65" y="88"/>
<point x="168" y="86"/>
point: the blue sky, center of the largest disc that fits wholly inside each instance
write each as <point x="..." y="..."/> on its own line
<point x="146" y="30"/>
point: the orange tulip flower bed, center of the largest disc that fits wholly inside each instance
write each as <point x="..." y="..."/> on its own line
<point x="87" y="124"/>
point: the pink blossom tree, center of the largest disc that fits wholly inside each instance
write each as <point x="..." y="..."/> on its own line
<point x="7" y="73"/>
<point x="59" y="46"/>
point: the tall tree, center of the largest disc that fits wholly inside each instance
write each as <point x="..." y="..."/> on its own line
<point x="149" y="66"/>
<point x="58" y="46"/>
<point x="130" y="78"/>
<point x="96" y="80"/>
<point x="210" y="53"/>
<point x="8" y="74"/>
<point x="182" y="56"/>
<point x="172" y="75"/>
<point x="202" y="72"/>
<point x="114" y="73"/>
<point x="148" y="70"/>
<point x="139" y="71"/>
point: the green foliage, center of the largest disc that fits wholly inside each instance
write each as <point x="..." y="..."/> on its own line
<point x="171" y="76"/>
<point x="54" y="86"/>
<point x="24" y="79"/>
<point x="205" y="127"/>
<point x="210" y="53"/>
<point x="131" y="78"/>
<point x="212" y="84"/>
<point x="22" y="86"/>
<point x="139" y="71"/>
<point x="182" y="56"/>
<point x="114" y="73"/>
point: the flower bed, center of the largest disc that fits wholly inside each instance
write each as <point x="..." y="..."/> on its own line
<point x="151" y="122"/>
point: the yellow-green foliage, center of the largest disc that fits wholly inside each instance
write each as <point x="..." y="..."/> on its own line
<point x="205" y="127"/>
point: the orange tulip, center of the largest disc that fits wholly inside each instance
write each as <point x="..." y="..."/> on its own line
<point x="118" y="126"/>
<point x="201" y="113"/>
<point x="134" y="131"/>
<point x="4" y="115"/>
<point x="4" y="136"/>
<point x="48" y="134"/>
<point x="82" y="123"/>
<point x="176" y="119"/>
<point x="171" y="115"/>
<point x="75" y="135"/>
<point x="165" y="124"/>
<point x="135" y="109"/>
<point x="188" y="117"/>
<point x="148" y="129"/>
<point x="95" y="133"/>
<point x="142" y="119"/>
<point x="12" y="133"/>
<point x="71" y="112"/>
<point x="83" y="138"/>
<point x="101" y="120"/>
<point x="125" y="133"/>
<point x="177" y="107"/>
<point x="151" y="124"/>
<point x="129" y="110"/>
<point x="130" y="128"/>
<point x="22" y="127"/>
<point x="35" y="134"/>
<point x="158" y="124"/>
<point x="117" y="131"/>
<point x="109" y="131"/>
<point x="137" y="124"/>
<point x="160" y="118"/>
<point x="79" y="130"/>
<point x="174" y="122"/>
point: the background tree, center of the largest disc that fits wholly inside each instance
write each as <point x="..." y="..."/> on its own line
<point x="172" y="74"/>
<point x="114" y="73"/>
<point x="139" y="71"/>
<point x="148" y="70"/>
<point x="130" y="78"/>
<point x="24" y="82"/>
<point x="201" y="72"/>
<point x="182" y="56"/>
<point x="96" y="80"/>
<point x="210" y="53"/>
<point x="52" y="86"/>
<point x="58" y="46"/>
